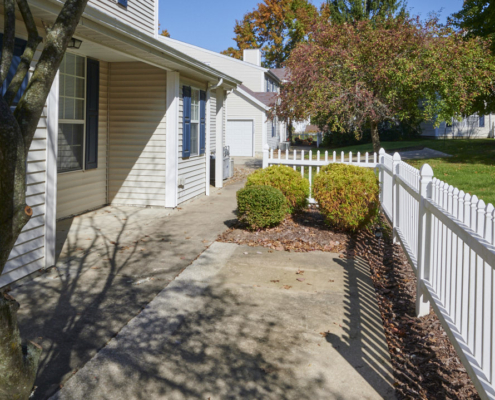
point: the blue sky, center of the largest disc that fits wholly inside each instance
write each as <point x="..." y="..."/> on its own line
<point x="210" y="24"/>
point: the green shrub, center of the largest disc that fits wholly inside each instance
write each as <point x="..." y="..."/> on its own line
<point x="261" y="206"/>
<point x="348" y="196"/>
<point x="294" y="187"/>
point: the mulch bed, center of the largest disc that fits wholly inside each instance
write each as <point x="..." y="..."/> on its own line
<point x="300" y="232"/>
<point x="425" y="363"/>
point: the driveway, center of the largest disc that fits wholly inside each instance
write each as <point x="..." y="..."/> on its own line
<point x="249" y="323"/>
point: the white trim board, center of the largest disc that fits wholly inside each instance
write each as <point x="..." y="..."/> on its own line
<point x="51" y="173"/>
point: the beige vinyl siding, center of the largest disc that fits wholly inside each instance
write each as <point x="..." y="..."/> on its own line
<point x="239" y="108"/>
<point x="137" y="108"/>
<point x="250" y="75"/>
<point x="213" y="121"/>
<point x="28" y="253"/>
<point x="193" y="169"/>
<point x="80" y="191"/>
<point x="140" y="14"/>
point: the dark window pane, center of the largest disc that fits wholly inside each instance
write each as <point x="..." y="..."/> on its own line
<point x="70" y="147"/>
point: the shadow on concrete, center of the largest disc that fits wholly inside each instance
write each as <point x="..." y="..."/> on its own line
<point x="363" y="346"/>
<point x="218" y="347"/>
<point x="75" y="309"/>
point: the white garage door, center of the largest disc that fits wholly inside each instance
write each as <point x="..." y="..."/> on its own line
<point x="240" y="137"/>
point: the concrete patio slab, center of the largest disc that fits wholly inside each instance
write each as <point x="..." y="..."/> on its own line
<point x="240" y="323"/>
<point x="112" y="263"/>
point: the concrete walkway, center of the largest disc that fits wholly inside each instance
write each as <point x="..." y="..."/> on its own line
<point x="241" y="323"/>
<point x="113" y="262"/>
<point x="423" y="154"/>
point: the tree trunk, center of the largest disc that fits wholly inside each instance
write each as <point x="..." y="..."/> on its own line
<point x="18" y="362"/>
<point x="375" y="137"/>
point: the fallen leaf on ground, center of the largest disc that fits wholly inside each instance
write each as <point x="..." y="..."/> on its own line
<point x="275" y="281"/>
<point x="300" y="279"/>
<point x="287" y="287"/>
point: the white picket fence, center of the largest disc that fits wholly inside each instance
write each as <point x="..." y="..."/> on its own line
<point x="449" y="239"/>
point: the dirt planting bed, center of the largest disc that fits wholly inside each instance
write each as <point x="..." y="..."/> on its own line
<point x="425" y="363"/>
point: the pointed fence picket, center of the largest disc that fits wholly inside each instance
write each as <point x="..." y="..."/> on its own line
<point x="449" y="238"/>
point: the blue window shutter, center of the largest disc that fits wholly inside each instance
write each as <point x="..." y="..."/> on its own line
<point x="482" y="121"/>
<point x="19" y="47"/>
<point x="186" y="121"/>
<point x="202" y="122"/>
<point x="123" y="3"/>
<point x="92" y="108"/>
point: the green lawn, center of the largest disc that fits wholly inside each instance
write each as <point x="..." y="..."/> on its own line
<point x="472" y="167"/>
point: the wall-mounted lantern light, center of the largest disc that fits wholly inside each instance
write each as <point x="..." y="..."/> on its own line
<point x="74" y="44"/>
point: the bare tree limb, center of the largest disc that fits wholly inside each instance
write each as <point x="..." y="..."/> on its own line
<point x="30" y="107"/>
<point x="8" y="39"/>
<point x="34" y="39"/>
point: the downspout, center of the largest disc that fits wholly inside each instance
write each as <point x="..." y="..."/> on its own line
<point x="220" y="82"/>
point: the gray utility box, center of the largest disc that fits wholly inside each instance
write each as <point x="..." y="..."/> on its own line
<point x="227" y="167"/>
<point x="284" y="146"/>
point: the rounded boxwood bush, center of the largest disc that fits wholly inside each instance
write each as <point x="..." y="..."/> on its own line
<point x="294" y="187"/>
<point x="348" y="196"/>
<point x="261" y="206"/>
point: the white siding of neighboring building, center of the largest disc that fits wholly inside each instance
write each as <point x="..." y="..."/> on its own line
<point x="467" y="128"/>
<point x="251" y="76"/>
<point x="137" y="146"/>
<point x="80" y="191"/>
<point x="140" y="14"/>
<point x="193" y="169"/>
<point x="241" y="109"/>
<point x="28" y="253"/>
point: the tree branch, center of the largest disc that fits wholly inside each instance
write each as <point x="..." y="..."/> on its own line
<point x="8" y="39"/>
<point x="30" y="107"/>
<point x="34" y="39"/>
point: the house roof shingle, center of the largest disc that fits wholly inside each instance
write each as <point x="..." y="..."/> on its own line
<point x="267" y="98"/>
<point x="280" y="73"/>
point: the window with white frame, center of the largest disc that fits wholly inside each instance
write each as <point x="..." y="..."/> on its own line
<point x="194" y="122"/>
<point x="72" y="106"/>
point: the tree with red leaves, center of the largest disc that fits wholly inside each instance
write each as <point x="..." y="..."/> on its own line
<point x="354" y="75"/>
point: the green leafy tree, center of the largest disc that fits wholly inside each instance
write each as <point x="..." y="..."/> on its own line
<point x="18" y="365"/>
<point x="349" y="76"/>
<point x="359" y="10"/>
<point x="477" y="18"/>
<point x="275" y="27"/>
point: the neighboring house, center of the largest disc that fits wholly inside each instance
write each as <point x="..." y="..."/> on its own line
<point x="248" y="125"/>
<point x="129" y="121"/>
<point x="312" y="129"/>
<point x="473" y="126"/>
